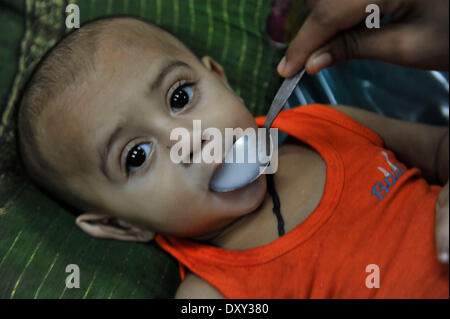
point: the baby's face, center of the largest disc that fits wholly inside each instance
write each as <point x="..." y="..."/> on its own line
<point x="112" y="144"/>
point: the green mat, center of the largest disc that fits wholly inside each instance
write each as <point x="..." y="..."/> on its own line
<point x="38" y="237"/>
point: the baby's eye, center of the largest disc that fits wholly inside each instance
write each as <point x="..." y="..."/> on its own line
<point x="137" y="156"/>
<point x="181" y="97"/>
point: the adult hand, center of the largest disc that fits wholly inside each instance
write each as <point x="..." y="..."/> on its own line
<point x="442" y="224"/>
<point x="417" y="35"/>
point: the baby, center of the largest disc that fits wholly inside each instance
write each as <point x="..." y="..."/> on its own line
<point x="94" y="128"/>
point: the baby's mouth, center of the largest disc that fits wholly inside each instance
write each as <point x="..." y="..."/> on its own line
<point x="220" y="168"/>
<point x="241" y="167"/>
<point x="218" y="165"/>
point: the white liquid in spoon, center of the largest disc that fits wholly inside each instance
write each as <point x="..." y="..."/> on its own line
<point x="232" y="175"/>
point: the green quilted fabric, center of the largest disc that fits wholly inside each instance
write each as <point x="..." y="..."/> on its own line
<point x="38" y="237"/>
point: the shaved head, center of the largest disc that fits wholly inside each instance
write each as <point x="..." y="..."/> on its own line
<point x="48" y="99"/>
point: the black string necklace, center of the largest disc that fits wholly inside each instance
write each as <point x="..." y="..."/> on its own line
<point x="276" y="203"/>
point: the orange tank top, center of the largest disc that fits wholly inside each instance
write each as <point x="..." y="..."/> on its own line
<point x="371" y="235"/>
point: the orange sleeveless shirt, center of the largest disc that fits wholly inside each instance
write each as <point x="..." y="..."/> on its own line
<point x="371" y="236"/>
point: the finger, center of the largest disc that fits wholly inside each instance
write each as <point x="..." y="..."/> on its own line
<point x="442" y="225"/>
<point x="327" y="19"/>
<point x="442" y="238"/>
<point x="390" y="44"/>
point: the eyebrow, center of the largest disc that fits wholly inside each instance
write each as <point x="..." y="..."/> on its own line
<point x="156" y="84"/>
<point x="172" y="65"/>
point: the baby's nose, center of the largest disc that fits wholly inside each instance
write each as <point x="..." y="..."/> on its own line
<point x="189" y="145"/>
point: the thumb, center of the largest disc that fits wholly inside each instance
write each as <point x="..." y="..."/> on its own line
<point x="387" y="44"/>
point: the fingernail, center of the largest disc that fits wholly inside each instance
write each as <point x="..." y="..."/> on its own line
<point x="281" y="66"/>
<point x="322" y="61"/>
<point x="443" y="257"/>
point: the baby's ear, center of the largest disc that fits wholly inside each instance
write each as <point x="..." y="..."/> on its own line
<point x="212" y="65"/>
<point x="103" y="226"/>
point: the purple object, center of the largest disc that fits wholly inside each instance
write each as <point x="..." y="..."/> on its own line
<point x="277" y="19"/>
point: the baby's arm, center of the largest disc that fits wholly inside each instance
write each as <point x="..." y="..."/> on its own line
<point x="417" y="145"/>
<point x="423" y="146"/>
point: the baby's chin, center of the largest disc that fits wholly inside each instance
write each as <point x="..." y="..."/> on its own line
<point x="244" y="200"/>
<point x="252" y="193"/>
<point x="222" y="210"/>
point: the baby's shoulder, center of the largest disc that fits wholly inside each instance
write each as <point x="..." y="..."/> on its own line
<point x="194" y="287"/>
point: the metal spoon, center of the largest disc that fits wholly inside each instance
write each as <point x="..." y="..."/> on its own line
<point x="230" y="175"/>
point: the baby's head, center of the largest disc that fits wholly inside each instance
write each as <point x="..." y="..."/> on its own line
<point x="95" y="124"/>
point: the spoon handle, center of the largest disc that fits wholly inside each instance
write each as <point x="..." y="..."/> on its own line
<point x="282" y="97"/>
